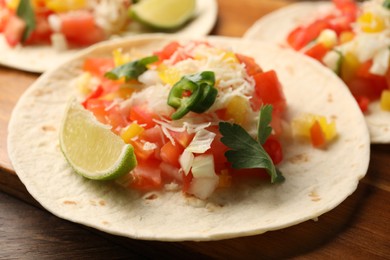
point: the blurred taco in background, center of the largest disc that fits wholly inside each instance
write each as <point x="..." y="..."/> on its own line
<point x="352" y="39"/>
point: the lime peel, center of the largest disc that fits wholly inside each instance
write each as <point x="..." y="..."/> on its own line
<point x="91" y="148"/>
<point x="163" y="15"/>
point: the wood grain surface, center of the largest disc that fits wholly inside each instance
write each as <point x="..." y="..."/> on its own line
<point x="356" y="229"/>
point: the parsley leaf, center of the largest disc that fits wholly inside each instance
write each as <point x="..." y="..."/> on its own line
<point x="131" y="70"/>
<point x="245" y="151"/>
<point x="26" y="13"/>
<point x="263" y="128"/>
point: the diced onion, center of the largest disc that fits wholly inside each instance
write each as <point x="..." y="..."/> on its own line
<point x="185" y="160"/>
<point x="203" y="166"/>
<point x="201" y="142"/>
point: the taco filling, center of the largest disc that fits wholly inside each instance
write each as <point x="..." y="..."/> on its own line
<point x="354" y="41"/>
<point x="199" y="117"/>
<point x="62" y="24"/>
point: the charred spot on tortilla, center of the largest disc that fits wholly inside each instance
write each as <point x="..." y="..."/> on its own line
<point x="48" y="128"/>
<point x="70" y="202"/>
<point x="299" y="158"/>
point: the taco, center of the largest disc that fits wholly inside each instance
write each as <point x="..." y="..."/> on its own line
<point x="316" y="179"/>
<point x="351" y="39"/>
<point x="37" y="35"/>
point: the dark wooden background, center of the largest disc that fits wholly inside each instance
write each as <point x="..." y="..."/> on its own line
<point x="356" y="229"/>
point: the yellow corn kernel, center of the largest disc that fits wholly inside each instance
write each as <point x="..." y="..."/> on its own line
<point x="328" y="38"/>
<point x="83" y="83"/>
<point x="131" y="131"/>
<point x="237" y="109"/>
<point x="300" y="126"/>
<point x="385" y="100"/>
<point x="349" y="65"/>
<point x="123" y="93"/>
<point x="59" y="6"/>
<point x="371" y="23"/>
<point x="346" y="37"/>
<point x="120" y="58"/>
<point x="225" y="179"/>
<point x="13" y="4"/>
<point x="168" y="75"/>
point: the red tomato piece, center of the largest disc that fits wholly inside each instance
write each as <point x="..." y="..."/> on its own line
<point x="167" y="51"/>
<point x="187" y="178"/>
<point x="170" y="173"/>
<point x="140" y="152"/>
<point x="249" y="173"/>
<point x="251" y="66"/>
<point x="41" y="33"/>
<point x="269" y="90"/>
<point x="142" y="116"/>
<point x="363" y="103"/>
<point x="98" y="66"/>
<point x="79" y="28"/>
<point x="182" y="138"/>
<point x="273" y="147"/>
<point x="218" y="149"/>
<point x="317" y="136"/>
<point x="5" y="15"/>
<point x="94" y="94"/>
<point x="98" y="108"/>
<point x="317" y="52"/>
<point x="301" y="36"/>
<point x="14" y="30"/>
<point x="170" y="153"/>
<point x="147" y="176"/>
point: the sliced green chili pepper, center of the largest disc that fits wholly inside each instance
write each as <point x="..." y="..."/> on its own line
<point x="131" y="70"/>
<point x="386" y="4"/>
<point x="203" y="94"/>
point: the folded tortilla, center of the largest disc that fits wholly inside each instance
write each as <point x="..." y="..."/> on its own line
<point x="39" y="58"/>
<point x="317" y="180"/>
<point x="275" y="27"/>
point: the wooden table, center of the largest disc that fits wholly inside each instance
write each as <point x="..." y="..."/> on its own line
<point x="358" y="228"/>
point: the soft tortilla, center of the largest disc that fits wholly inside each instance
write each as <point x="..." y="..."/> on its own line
<point x="41" y="58"/>
<point x="316" y="180"/>
<point x="275" y="27"/>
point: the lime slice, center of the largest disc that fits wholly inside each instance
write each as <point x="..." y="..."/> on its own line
<point x="163" y="14"/>
<point x="91" y="148"/>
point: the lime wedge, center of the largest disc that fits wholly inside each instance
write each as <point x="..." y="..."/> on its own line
<point x="91" y="148"/>
<point x="163" y="14"/>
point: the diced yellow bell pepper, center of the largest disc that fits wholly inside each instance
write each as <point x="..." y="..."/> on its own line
<point x="83" y="83"/>
<point x="346" y="37"/>
<point x="237" y="110"/>
<point x="385" y="100"/>
<point x="120" y="58"/>
<point x="301" y="126"/>
<point x="13" y="4"/>
<point x="349" y="65"/>
<point x="370" y="23"/>
<point x="169" y="75"/>
<point x="59" y="6"/>
<point x="131" y="131"/>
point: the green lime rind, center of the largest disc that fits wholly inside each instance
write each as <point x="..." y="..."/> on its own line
<point x="91" y="148"/>
<point x="144" y="14"/>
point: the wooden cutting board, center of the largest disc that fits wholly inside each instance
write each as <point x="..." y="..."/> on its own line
<point x="358" y="228"/>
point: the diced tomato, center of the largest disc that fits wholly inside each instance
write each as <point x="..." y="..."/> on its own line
<point x="363" y="103"/>
<point x="317" y="52"/>
<point x="140" y="152"/>
<point x="98" y="108"/>
<point x="269" y="90"/>
<point x="301" y="36"/>
<point x="5" y="15"/>
<point x="273" y="147"/>
<point x="170" y="173"/>
<point x="142" y="116"/>
<point x="218" y="149"/>
<point x="94" y="94"/>
<point x="366" y="87"/>
<point x="167" y="51"/>
<point x="13" y="31"/>
<point x="379" y="83"/>
<point x="147" y="176"/>
<point x="79" y="28"/>
<point x="41" y="33"/>
<point x="182" y="138"/>
<point x="98" y="66"/>
<point x="156" y="136"/>
<point x="116" y="119"/>
<point x="317" y="136"/>
<point x="251" y="66"/>
<point x="187" y="178"/>
<point x="170" y="153"/>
